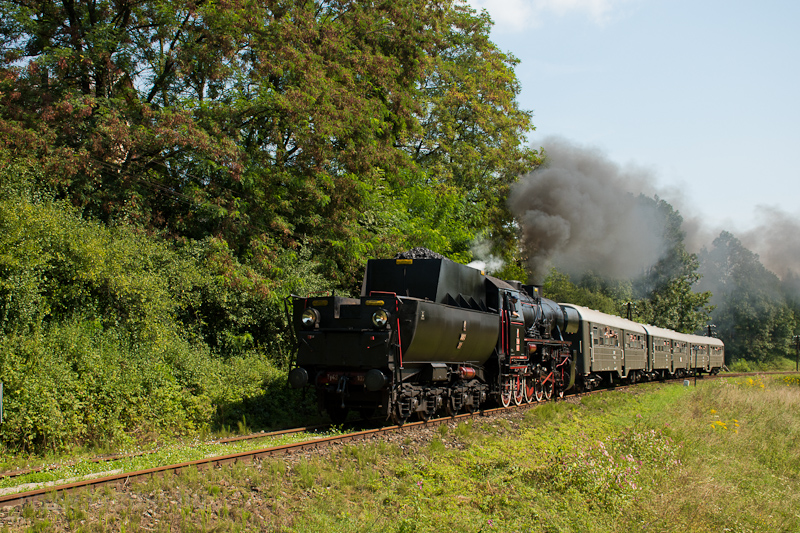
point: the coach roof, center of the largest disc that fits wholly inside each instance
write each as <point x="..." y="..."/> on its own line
<point x="590" y="315"/>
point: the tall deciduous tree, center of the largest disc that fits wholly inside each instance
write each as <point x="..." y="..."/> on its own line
<point x="666" y="290"/>
<point x="665" y="294"/>
<point x="473" y="131"/>
<point x="264" y="123"/>
<point x="753" y="316"/>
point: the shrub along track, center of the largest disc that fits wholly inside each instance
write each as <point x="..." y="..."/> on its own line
<point x="125" y="478"/>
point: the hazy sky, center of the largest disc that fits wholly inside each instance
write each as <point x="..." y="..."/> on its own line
<point x="704" y="94"/>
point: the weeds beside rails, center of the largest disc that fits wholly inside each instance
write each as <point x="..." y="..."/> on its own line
<point x="169" y="454"/>
<point x="791" y="380"/>
<point x="717" y="457"/>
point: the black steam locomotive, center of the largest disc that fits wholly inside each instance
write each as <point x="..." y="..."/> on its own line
<point x="429" y="335"/>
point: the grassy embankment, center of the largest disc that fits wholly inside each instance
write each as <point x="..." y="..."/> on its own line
<point x="721" y="456"/>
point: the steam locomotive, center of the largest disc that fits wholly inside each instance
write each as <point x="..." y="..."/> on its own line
<point x="428" y="335"/>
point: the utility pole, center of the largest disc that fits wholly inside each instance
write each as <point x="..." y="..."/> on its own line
<point x="796" y="340"/>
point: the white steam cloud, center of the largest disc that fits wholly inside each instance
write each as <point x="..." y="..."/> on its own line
<point x="484" y="259"/>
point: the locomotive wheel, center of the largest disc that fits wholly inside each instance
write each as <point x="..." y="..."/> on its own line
<point x="539" y="390"/>
<point x="506" y="393"/>
<point x="450" y="406"/>
<point x="530" y="389"/>
<point x="426" y="415"/>
<point x="519" y="391"/>
<point x="469" y="408"/>
<point x="397" y="416"/>
<point x="548" y="389"/>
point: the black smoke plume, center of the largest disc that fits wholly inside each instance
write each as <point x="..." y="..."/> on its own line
<point x="580" y="212"/>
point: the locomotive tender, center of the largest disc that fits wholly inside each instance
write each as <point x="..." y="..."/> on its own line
<point x="428" y="335"/>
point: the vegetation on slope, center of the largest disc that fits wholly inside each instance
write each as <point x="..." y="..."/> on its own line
<point x="170" y="171"/>
<point x="108" y="334"/>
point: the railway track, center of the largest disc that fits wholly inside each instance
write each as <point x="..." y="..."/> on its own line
<point x="118" y="478"/>
<point x="122" y="478"/>
<point x="9" y="474"/>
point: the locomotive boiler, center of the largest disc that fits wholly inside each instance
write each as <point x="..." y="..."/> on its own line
<point x="429" y="335"/>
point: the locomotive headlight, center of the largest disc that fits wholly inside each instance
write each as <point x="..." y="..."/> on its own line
<point x="380" y="318"/>
<point x="309" y="318"/>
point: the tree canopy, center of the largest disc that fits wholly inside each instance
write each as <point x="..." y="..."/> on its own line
<point x="171" y="169"/>
<point x="266" y="124"/>
<point x="755" y="316"/>
<point x="665" y="293"/>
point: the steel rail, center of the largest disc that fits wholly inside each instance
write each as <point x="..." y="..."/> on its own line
<point x="21" y="498"/>
<point x="116" y="457"/>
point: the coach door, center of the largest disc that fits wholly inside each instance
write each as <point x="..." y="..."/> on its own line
<point x="514" y="325"/>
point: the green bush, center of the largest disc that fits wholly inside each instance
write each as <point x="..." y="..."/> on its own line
<point x="776" y="364"/>
<point x="76" y="382"/>
<point x="108" y="334"/>
<point x="741" y="365"/>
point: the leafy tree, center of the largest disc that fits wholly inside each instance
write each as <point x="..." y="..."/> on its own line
<point x="666" y="296"/>
<point x="674" y="304"/>
<point x="473" y="131"/>
<point x="753" y="317"/>
<point x="264" y="124"/>
<point x="202" y="160"/>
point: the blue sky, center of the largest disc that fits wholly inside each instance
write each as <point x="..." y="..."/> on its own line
<point x="704" y="95"/>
